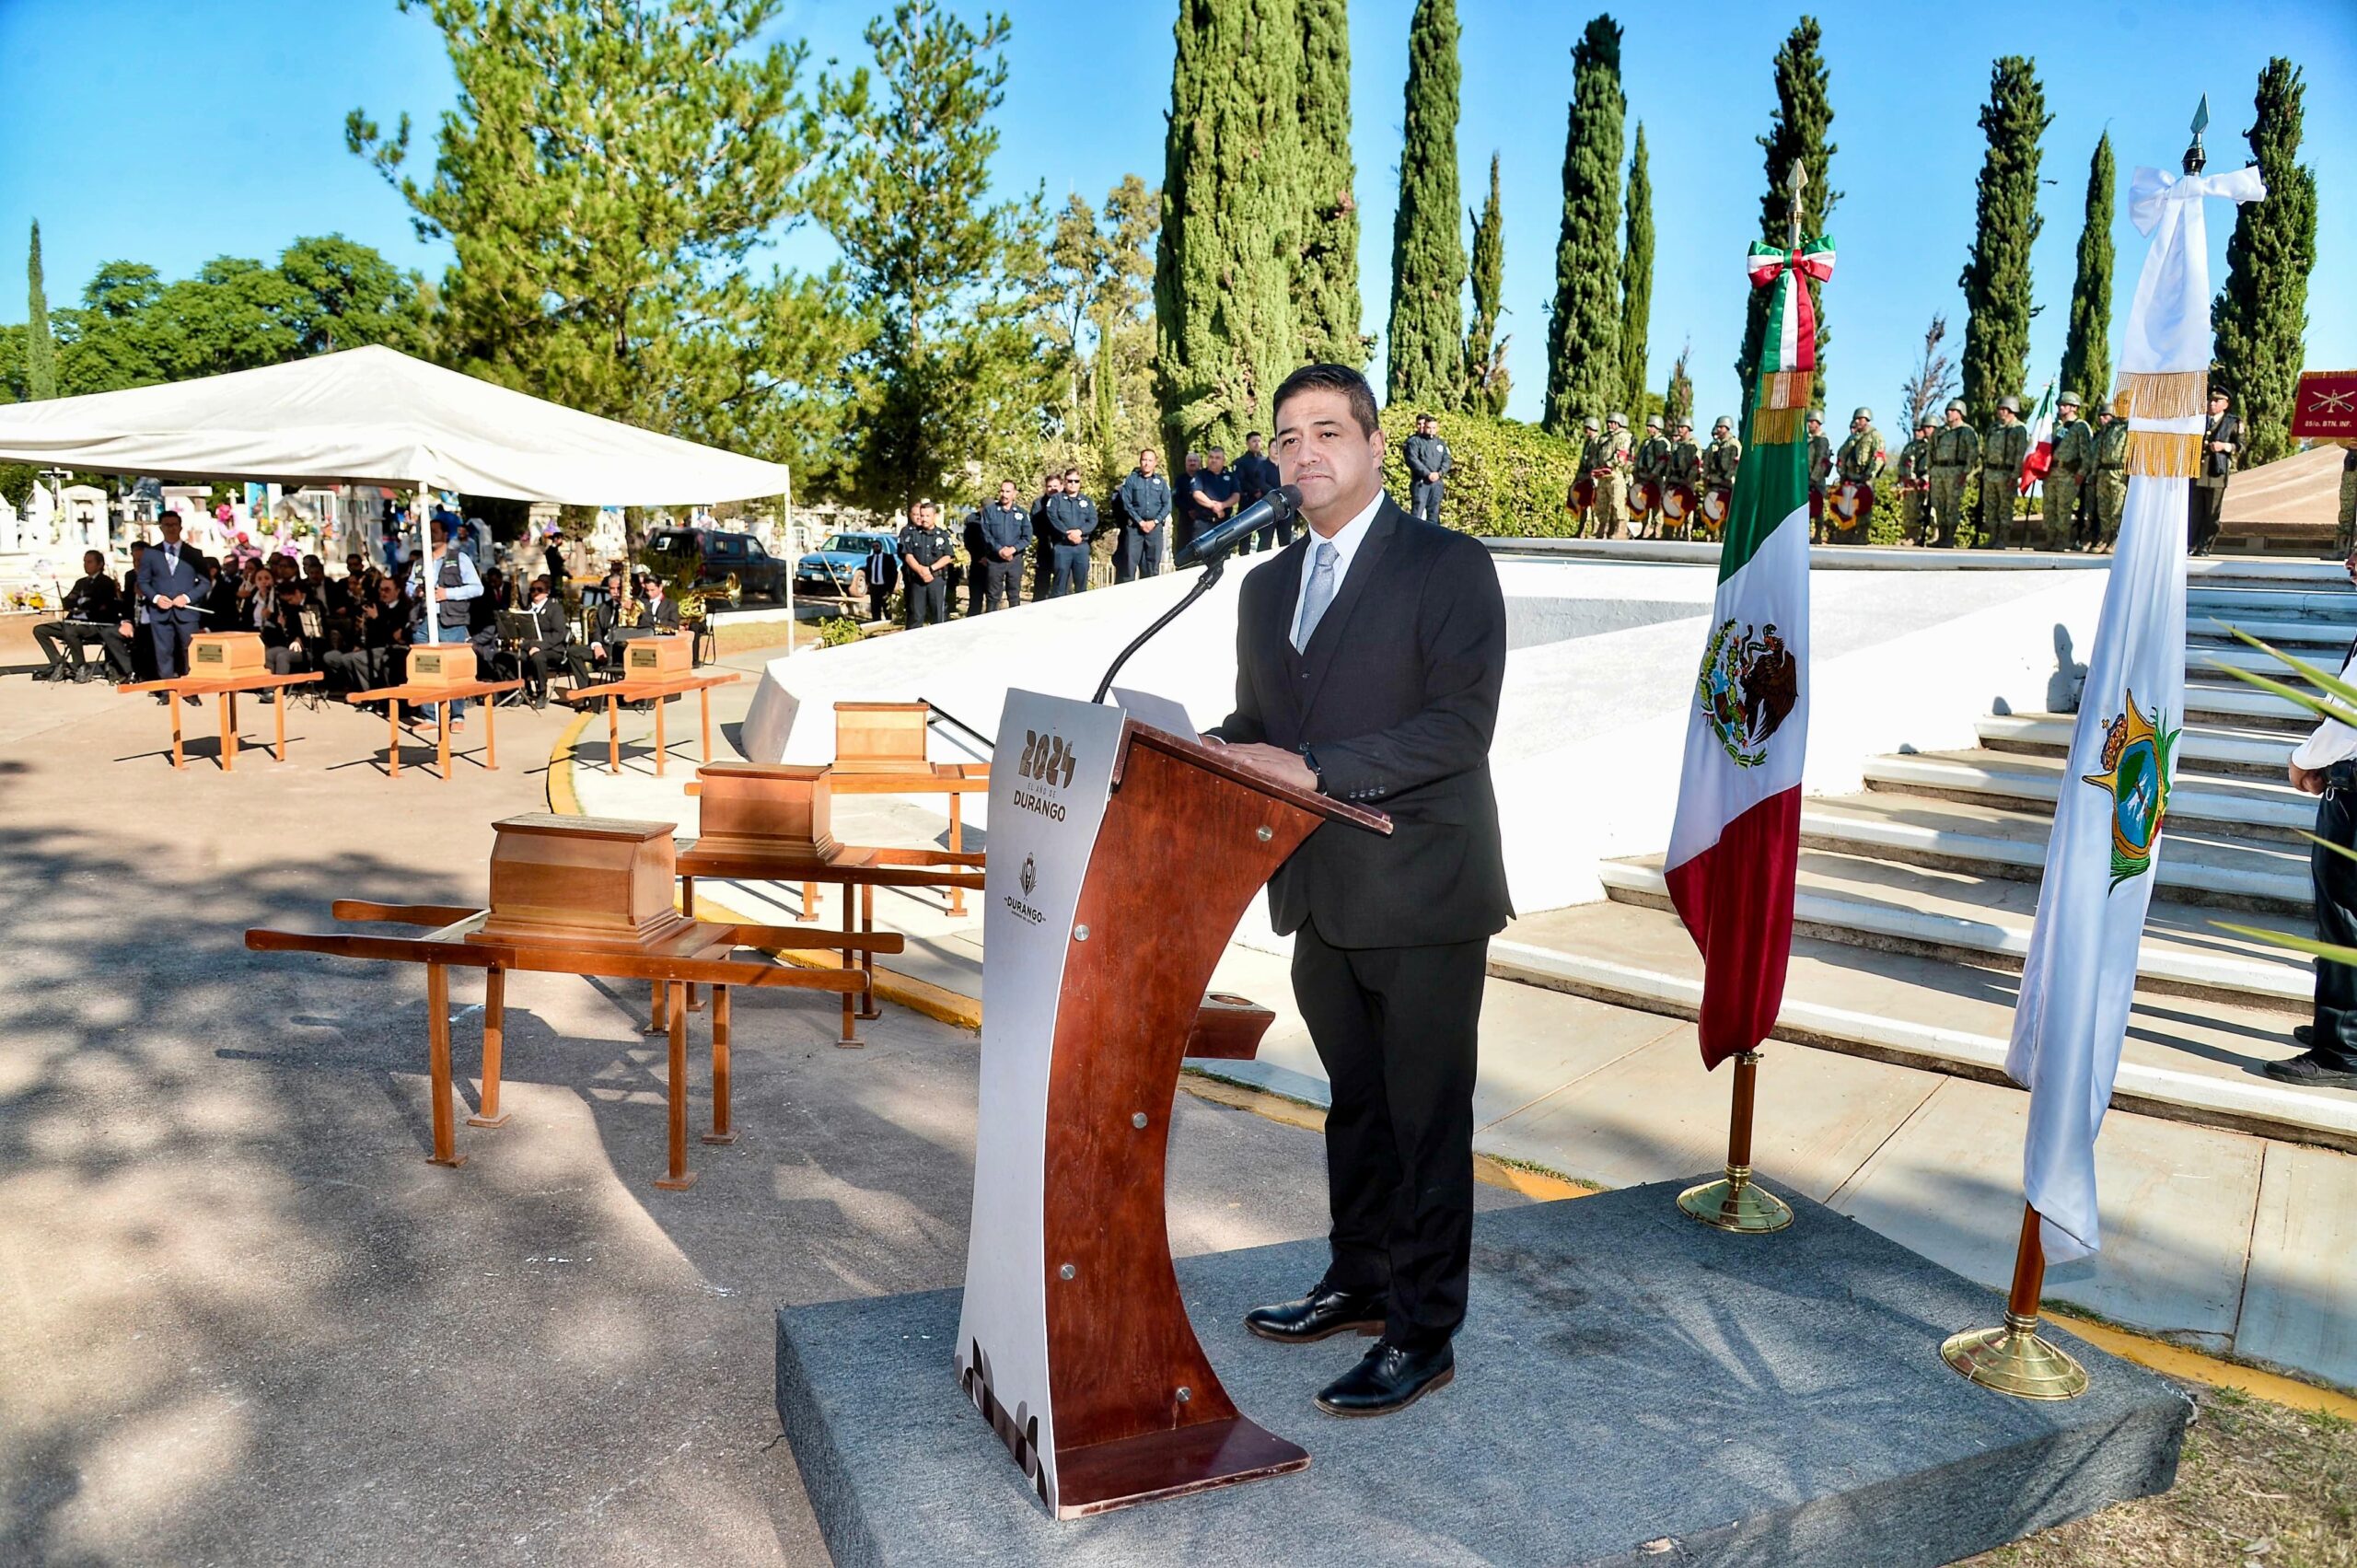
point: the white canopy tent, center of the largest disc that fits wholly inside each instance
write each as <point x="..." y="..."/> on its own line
<point x="376" y="416"/>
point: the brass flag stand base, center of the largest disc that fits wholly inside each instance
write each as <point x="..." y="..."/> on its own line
<point x="1733" y="1203"/>
<point x="2014" y="1360"/>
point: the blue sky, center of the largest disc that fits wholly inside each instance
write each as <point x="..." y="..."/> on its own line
<point x="173" y="132"/>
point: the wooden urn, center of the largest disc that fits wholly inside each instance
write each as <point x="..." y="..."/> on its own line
<point x="589" y="882"/>
<point x="224" y="654"/>
<point x="766" y="809"/>
<point x="881" y="738"/>
<point x="441" y="664"/>
<point x="655" y="658"/>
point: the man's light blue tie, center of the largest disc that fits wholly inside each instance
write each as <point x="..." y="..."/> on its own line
<point x="1320" y="595"/>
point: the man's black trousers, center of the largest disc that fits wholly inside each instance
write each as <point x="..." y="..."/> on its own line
<point x="2335" y="876"/>
<point x="1396" y="1029"/>
<point x="1140" y="555"/>
<point x="927" y="603"/>
<point x="1000" y="583"/>
<point x="1426" y="495"/>
<point x="2204" y="503"/>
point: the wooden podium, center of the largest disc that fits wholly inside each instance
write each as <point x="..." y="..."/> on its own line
<point x="1121" y="861"/>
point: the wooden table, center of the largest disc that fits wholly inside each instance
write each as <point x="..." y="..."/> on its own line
<point x="852" y="866"/>
<point x="956" y="779"/>
<point x="226" y="687"/>
<point x="658" y="688"/>
<point x="699" y="953"/>
<point x="439" y="698"/>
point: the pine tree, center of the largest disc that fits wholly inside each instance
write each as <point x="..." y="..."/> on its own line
<point x="1798" y="130"/>
<point x="2086" y="352"/>
<point x="1996" y="279"/>
<point x="1327" y="293"/>
<point x="1423" y="345"/>
<point x="41" y="349"/>
<point x="1637" y="280"/>
<point x="1226" y="330"/>
<point x="2263" y="312"/>
<point x="1678" y="403"/>
<point x="1583" y="370"/>
<point x="1486" y="383"/>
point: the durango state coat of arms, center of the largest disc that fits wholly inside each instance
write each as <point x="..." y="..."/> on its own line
<point x="2136" y="775"/>
<point x="1748" y="686"/>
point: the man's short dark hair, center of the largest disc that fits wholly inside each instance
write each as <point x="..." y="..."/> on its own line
<point x="1252" y="435"/>
<point x="1333" y="379"/>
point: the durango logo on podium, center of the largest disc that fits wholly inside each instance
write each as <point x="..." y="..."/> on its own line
<point x="1046" y="758"/>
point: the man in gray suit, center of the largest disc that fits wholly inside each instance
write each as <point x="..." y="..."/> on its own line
<point x="169" y="587"/>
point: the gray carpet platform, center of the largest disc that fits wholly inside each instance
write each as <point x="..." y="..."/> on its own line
<point x="1632" y="1388"/>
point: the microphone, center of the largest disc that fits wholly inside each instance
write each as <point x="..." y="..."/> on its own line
<point x="1277" y="506"/>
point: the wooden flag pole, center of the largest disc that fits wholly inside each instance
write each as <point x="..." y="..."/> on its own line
<point x="2015" y="1359"/>
<point x="1734" y="1201"/>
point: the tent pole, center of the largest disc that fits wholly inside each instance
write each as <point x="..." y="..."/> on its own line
<point x="425" y="564"/>
<point x="793" y="563"/>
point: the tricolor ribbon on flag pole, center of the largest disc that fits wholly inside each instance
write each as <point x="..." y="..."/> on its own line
<point x="1787" y="370"/>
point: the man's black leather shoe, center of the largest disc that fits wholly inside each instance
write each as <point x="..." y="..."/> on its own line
<point x="1388" y="1379"/>
<point x="2312" y="1071"/>
<point x="1322" y="1313"/>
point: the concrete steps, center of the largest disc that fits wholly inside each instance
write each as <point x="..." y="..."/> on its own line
<point x="2197" y="1062"/>
<point x="2203" y="748"/>
<point x="2033" y="782"/>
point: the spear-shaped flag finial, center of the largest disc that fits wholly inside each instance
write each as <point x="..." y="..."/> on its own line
<point x="1794" y="184"/>
<point x="2194" y="157"/>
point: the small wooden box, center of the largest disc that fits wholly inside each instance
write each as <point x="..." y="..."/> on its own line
<point x="881" y="738"/>
<point x="592" y="882"/>
<point x="441" y="664"/>
<point x="655" y="657"/>
<point x="766" y="809"/>
<point x="224" y="653"/>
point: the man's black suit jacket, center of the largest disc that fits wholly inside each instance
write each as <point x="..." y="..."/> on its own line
<point x="1397" y="695"/>
<point x="2214" y="468"/>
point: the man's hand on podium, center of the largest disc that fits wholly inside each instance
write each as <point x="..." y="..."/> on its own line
<point x="1274" y="762"/>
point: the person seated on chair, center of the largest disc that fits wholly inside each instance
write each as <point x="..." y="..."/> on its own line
<point x="662" y="611"/>
<point x="381" y="630"/>
<point x="551" y="641"/>
<point x="620" y="618"/>
<point x="93" y="614"/>
<point x="296" y="636"/>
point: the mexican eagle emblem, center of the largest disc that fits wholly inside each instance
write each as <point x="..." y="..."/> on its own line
<point x="1749" y="685"/>
<point x="2136" y="775"/>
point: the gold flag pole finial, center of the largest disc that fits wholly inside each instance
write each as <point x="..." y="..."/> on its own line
<point x="1794" y="184"/>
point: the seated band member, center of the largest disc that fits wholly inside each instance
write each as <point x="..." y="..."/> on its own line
<point x="551" y="641"/>
<point x="296" y="639"/>
<point x="382" y="629"/>
<point x="1370" y="655"/>
<point x="93" y="614"/>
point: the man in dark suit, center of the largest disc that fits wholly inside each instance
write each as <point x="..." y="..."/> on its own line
<point x="170" y="587"/>
<point x="1369" y="658"/>
<point x="2222" y="438"/>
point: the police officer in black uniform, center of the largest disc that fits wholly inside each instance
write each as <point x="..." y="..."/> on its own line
<point x="1256" y="475"/>
<point x="1426" y="455"/>
<point x="926" y="551"/>
<point x="1072" y="518"/>
<point x="1005" y="528"/>
<point x="1144" y="502"/>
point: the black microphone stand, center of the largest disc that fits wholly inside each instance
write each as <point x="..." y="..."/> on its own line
<point x="1212" y="569"/>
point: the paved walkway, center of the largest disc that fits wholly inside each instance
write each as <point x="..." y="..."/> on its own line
<point x="2225" y="1241"/>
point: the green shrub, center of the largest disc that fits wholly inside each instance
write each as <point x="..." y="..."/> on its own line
<point x="837" y="630"/>
<point x="1507" y="479"/>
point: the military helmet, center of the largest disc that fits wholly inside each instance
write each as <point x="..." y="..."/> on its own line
<point x="1723" y="422"/>
<point x="1619" y="419"/>
<point x="1865" y="414"/>
<point x="1817" y="416"/>
<point x="1955" y="405"/>
<point x="1591" y="423"/>
<point x="1653" y="421"/>
<point x="2068" y="399"/>
<point x="1925" y="422"/>
<point x="2009" y="405"/>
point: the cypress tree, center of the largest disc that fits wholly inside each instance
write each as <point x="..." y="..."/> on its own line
<point x="1996" y="280"/>
<point x="1637" y="282"/>
<point x="41" y="349"/>
<point x="1678" y="401"/>
<point x="2086" y="353"/>
<point x="1326" y="295"/>
<point x="1225" y="331"/>
<point x="1485" y="367"/>
<point x="1423" y="346"/>
<point x="2263" y="310"/>
<point x="1583" y="370"/>
<point x="1796" y="130"/>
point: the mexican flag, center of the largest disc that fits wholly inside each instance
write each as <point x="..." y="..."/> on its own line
<point x="1736" y="842"/>
<point x="2041" y="442"/>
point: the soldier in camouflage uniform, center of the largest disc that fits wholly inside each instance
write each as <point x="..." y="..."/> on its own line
<point x="1684" y="466"/>
<point x="1652" y="458"/>
<point x="1820" y="471"/>
<point x="1956" y="453"/>
<point x="1615" y="456"/>
<point x="1589" y="460"/>
<point x="2070" y="463"/>
<point x="1915" y="482"/>
<point x="2110" y="477"/>
<point x="2003" y="451"/>
<point x="1861" y="461"/>
<point x="1722" y="461"/>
